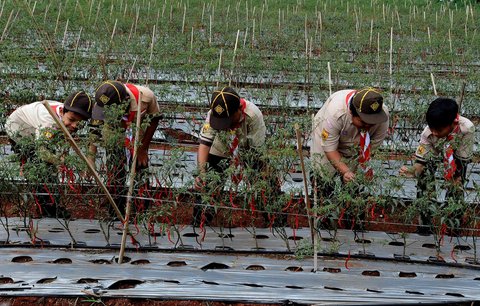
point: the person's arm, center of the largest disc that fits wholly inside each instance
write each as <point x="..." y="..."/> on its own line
<point x="92" y="154"/>
<point x="335" y="159"/>
<point x="142" y="154"/>
<point x="412" y="171"/>
<point x="423" y="150"/>
<point x="202" y="159"/>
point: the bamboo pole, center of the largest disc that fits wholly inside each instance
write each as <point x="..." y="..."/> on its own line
<point x="433" y="84"/>
<point x="152" y="45"/>
<point x="113" y="31"/>
<point x="82" y="156"/>
<point x="219" y="66"/>
<point x="305" y="182"/>
<point x="315" y="202"/>
<point x="329" y="78"/>
<point x="184" y="15"/>
<point x="133" y="171"/>
<point x="462" y="95"/>
<point x="6" y="26"/>
<point x="233" y="59"/>
<point x="429" y="37"/>
<point x="65" y="34"/>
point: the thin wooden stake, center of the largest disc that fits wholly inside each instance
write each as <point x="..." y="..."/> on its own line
<point x="84" y="158"/>
<point x="113" y="31"/>
<point x="184" y="15"/>
<point x="219" y="66"/>
<point x="133" y="171"/>
<point x="65" y="34"/>
<point x="391" y="52"/>
<point x="433" y="84"/>
<point x="305" y="182"/>
<point x="329" y="78"/>
<point x="152" y="45"/>
<point x="429" y="37"/>
<point x="6" y="26"/>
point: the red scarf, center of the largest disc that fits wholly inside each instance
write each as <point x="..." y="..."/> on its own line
<point x="448" y="159"/>
<point x="365" y="145"/>
<point x="129" y="139"/>
<point x="237" y="176"/>
<point x="364" y="158"/>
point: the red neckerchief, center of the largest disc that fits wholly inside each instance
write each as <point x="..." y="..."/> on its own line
<point x="237" y="176"/>
<point x="365" y="147"/>
<point x="449" y="160"/>
<point x="129" y="139"/>
<point x="365" y="144"/>
<point x="57" y="109"/>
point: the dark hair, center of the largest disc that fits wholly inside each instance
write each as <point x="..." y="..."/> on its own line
<point x="353" y="110"/>
<point x="441" y="113"/>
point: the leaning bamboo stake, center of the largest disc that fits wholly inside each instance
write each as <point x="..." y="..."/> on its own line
<point x="429" y="37"/>
<point x="391" y="52"/>
<point x="152" y="45"/>
<point x="233" y="60"/>
<point x="315" y="202"/>
<point x="329" y="78"/>
<point x="462" y="95"/>
<point x="113" y="31"/>
<point x="6" y="26"/>
<point x="133" y="171"/>
<point x="65" y="34"/>
<point x="305" y="183"/>
<point x="82" y="156"/>
<point x="433" y="84"/>
<point x="184" y="15"/>
<point x="219" y="66"/>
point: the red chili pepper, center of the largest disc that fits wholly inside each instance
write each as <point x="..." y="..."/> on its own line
<point x="346" y="261"/>
<point x="288" y="204"/>
<point x="37" y="203"/>
<point x="340" y="218"/>
<point x="452" y="254"/>
<point x="169" y="236"/>
<point x="372" y="211"/>
<point x="49" y="194"/>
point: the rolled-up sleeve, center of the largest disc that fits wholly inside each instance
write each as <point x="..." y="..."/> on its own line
<point x="207" y="133"/>
<point x="424" y="147"/>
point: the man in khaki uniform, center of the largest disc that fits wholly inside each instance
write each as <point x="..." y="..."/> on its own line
<point x="347" y="118"/>
<point x="115" y="93"/>
<point x="233" y="126"/>
<point x="448" y="138"/>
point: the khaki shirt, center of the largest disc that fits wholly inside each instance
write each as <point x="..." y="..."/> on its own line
<point x="333" y="130"/>
<point x="433" y="147"/>
<point x="149" y="102"/>
<point x="29" y="120"/>
<point x="251" y="132"/>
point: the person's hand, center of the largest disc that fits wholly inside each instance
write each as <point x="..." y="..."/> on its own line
<point x="348" y="176"/>
<point x="142" y="158"/>
<point x="198" y="184"/>
<point x="406" y="172"/>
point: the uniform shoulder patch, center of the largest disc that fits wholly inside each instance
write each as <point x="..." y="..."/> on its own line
<point x="324" y="134"/>
<point x="421" y="150"/>
<point x="206" y="127"/>
<point x="48" y="135"/>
